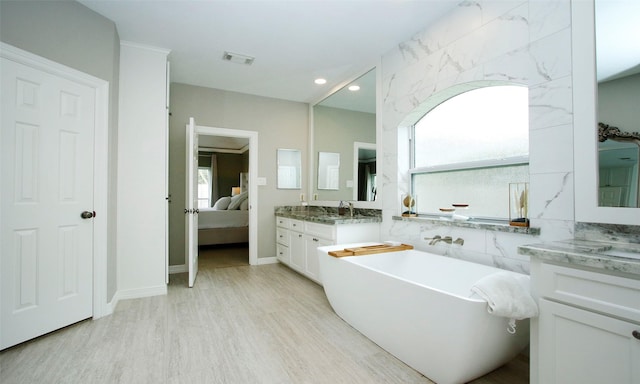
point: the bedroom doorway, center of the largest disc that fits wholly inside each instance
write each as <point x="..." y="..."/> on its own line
<point x="220" y="140"/>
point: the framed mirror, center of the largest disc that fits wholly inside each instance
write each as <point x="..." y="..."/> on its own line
<point x="289" y="168"/>
<point x="338" y="122"/>
<point x="589" y="107"/>
<point x="618" y="76"/>
<point x="329" y="171"/>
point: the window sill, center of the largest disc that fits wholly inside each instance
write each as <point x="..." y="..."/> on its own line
<point x="489" y="225"/>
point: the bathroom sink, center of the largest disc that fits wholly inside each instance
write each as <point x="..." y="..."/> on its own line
<point x="622" y="253"/>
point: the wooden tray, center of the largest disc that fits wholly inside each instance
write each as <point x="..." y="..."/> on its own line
<point x="370" y="249"/>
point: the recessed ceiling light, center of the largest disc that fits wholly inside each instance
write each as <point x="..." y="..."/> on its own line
<point x="354" y="88"/>
<point x="320" y="81"/>
<point x="238" y="58"/>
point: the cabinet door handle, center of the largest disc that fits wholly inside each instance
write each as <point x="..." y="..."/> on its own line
<point x="314" y="239"/>
<point x="636" y="334"/>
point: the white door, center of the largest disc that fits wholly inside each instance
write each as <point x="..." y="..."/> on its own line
<point x="47" y="139"/>
<point x="191" y="211"/>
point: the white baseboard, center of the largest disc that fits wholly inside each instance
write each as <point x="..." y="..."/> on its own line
<point x="136" y="293"/>
<point x="267" y="260"/>
<point x="161" y="289"/>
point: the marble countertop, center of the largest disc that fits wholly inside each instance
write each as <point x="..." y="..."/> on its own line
<point x="587" y="254"/>
<point x="328" y="216"/>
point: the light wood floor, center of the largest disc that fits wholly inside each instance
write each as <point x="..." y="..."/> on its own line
<point x="248" y="324"/>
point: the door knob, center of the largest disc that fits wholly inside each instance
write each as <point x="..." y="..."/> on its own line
<point x="87" y="214"/>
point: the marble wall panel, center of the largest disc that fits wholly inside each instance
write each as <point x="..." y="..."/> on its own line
<point x="527" y="42"/>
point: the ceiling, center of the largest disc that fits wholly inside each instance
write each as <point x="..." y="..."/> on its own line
<point x="293" y="41"/>
<point x="297" y="41"/>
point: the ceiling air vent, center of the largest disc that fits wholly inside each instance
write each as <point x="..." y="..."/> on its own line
<point x="238" y="58"/>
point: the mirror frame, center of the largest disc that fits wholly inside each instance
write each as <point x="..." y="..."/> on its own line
<point x="585" y="132"/>
<point x="377" y="204"/>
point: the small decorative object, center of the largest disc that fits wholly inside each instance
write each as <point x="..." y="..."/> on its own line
<point x="408" y="207"/>
<point x="519" y="204"/>
<point x="235" y="191"/>
<point x="342" y="210"/>
<point x="447" y="213"/>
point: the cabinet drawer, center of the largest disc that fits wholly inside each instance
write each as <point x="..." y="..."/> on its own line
<point x="282" y="236"/>
<point x="618" y="296"/>
<point x="296" y="225"/>
<point x="320" y="230"/>
<point x="283" y="222"/>
<point x="283" y="253"/>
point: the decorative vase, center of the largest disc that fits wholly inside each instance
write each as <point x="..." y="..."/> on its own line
<point x="408" y="205"/>
<point x="519" y="204"/>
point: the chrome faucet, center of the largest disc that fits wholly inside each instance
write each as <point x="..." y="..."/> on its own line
<point x="447" y="239"/>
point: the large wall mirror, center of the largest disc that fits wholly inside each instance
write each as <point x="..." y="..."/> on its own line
<point x="618" y="76"/>
<point x="606" y="59"/>
<point x="341" y="120"/>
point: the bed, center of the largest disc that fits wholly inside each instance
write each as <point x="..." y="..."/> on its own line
<point x="227" y="222"/>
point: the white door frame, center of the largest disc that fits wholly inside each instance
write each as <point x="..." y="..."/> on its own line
<point x="100" y="162"/>
<point x="253" y="180"/>
<point x="191" y="203"/>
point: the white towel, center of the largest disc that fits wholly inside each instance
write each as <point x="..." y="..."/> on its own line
<point x="507" y="295"/>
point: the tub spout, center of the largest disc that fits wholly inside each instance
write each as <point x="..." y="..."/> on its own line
<point x="437" y="238"/>
<point x="434" y="239"/>
<point x="459" y="241"/>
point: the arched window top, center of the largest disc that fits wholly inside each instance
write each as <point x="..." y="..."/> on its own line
<point x="482" y="124"/>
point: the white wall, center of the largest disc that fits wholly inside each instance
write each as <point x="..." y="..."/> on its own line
<point x="527" y="42"/>
<point x="72" y="34"/>
<point x="279" y="123"/>
<point x="142" y="171"/>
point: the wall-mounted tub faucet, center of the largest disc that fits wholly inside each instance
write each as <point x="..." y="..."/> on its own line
<point x="447" y="239"/>
<point x="434" y="239"/>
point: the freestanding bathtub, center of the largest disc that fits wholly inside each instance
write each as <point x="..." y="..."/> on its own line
<point x="417" y="306"/>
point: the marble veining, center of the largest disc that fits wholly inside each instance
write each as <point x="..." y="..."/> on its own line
<point x="608" y="232"/>
<point x="328" y="215"/>
<point x="527" y="42"/>
<point x="585" y="253"/>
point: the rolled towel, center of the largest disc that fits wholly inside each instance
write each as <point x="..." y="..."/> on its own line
<point x="508" y="295"/>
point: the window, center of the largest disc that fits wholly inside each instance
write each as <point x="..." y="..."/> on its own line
<point x="204" y="187"/>
<point x="467" y="149"/>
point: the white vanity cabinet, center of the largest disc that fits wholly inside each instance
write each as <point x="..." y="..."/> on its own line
<point x="588" y="330"/>
<point x="297" y="246"/>
<point x="297" y="241"/>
